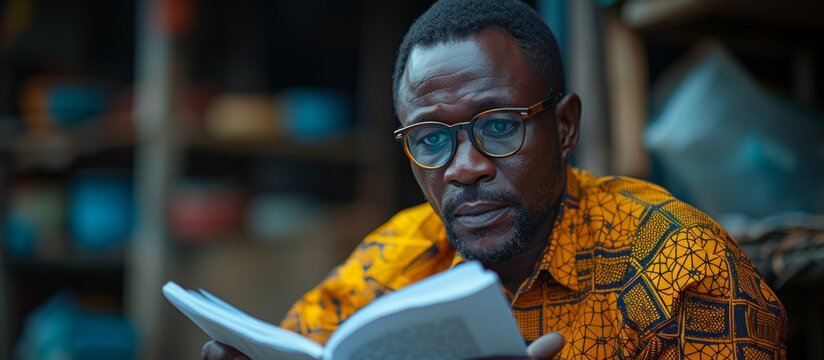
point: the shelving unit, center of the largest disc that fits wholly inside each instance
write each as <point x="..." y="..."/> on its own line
<point x="632" y="42"/>
<point x="355" y="173"/>
<point x="96" y="277"/>
<point x="777" y="42"/>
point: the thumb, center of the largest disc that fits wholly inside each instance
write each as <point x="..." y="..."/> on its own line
<point x="546" y="346"/>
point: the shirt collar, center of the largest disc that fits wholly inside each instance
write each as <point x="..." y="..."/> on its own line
<point x="559" y="254"/>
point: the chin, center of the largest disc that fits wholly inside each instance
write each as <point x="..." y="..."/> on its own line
<point x="485" y="247"/>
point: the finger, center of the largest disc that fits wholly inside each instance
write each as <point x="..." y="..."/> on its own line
<point x="546" y="346"/>
<point x="214" y="350"/>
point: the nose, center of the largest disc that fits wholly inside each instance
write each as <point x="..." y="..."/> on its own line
<point x="469" y="165"/>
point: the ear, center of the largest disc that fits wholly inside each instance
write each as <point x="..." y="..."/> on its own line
<point x="568" y="121"/>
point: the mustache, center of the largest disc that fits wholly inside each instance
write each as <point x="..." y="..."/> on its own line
<point x="470" y="194"/>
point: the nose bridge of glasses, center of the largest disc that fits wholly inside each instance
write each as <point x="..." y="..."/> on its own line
<point x="468" y="163"/>
<point x="469" y="140"/>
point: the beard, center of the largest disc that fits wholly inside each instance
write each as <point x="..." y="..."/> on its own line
<point x="528" y="220"/>
<point x="526" y="225"/>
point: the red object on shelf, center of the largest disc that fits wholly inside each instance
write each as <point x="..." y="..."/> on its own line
<point x="175" y="18"/>
<point x="202" y="213"/>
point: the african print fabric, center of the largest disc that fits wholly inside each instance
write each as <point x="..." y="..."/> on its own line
<point x="629" y="272"/>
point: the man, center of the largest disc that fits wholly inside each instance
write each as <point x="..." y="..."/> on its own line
<point x="616" y="265"/>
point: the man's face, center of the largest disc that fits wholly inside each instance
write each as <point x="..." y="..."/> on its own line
<point x="492" y="207"/>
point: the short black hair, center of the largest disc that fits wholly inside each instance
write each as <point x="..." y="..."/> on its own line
<point x="449" y="20"/>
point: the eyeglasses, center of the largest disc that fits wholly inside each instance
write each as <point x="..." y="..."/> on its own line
<point x="497" y="133"/>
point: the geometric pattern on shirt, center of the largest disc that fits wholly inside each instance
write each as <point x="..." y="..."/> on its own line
<point x="628" y="272"/>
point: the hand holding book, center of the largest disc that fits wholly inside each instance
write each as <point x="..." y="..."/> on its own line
<point x="544" y="347"/>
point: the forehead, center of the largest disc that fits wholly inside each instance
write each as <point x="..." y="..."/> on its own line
<point x="463" y="76"/>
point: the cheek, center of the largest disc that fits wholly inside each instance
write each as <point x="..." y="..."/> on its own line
<point x="513" y="169"/>
<point x="515" y="175"/>
<point x="428" y="181"/>
<point x="542" y="148"/>
<point x="530" y="171"/>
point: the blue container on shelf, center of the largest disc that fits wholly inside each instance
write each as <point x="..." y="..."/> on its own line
<point x="20" y="236"/>
<point x="60" y="328"/>
<point x="103" y="336"/>
<point x="71" y="104"/>
<point x="314" y="114"/>
<point x="101" y="210"/>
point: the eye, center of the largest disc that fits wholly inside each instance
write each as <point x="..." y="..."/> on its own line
<point x="434" y="138"/>
<point x="497" y="128"/>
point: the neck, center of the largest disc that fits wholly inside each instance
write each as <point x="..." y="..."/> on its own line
<point x="515" y="270"/>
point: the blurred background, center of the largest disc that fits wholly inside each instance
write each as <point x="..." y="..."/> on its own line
<point x="244" y="147"/>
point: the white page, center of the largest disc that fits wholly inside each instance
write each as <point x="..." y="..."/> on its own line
<point x="223" y="304"/>
<point x="248" y="335"/>
<point x="456" y="314"/>
<point x="445" y="286"/>
<point x="253" y="337"/>
<point x="197" y="302"/>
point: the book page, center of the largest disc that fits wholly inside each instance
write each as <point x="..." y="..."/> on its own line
<point x="458" y="314"/>
<point x="255" y="338"/>
<point x="439" y="336"/>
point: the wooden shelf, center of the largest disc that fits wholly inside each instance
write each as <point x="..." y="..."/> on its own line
<point x="337" y="149"/>
<point x="797" y="18"/>
<point x="79" y="264"/>
<point x="652" y="13"/>
<point x="71" y="261"/>
<point x="55" y="151"/>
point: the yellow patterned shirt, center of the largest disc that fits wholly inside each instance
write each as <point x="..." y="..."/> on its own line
<point x="629" y="271"/>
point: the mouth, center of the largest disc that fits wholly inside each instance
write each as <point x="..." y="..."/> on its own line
<point x="479" y="214"/>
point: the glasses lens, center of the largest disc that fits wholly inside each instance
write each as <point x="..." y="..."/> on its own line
<point x="500" y="133"/>
<point x="430" y="145"/>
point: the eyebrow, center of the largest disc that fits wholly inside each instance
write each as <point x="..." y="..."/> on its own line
<point x="492" y="103"/>
<point x="481" y="106"/>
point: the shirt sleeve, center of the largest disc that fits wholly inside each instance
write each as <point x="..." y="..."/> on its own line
<point x="720" y="306"/>
<point x="410" y="247"/>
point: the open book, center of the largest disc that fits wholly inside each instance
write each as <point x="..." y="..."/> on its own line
<point x="457" y="314"/>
